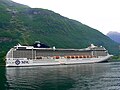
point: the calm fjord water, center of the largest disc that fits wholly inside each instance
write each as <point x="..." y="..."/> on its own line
<point x="99" y="76"/>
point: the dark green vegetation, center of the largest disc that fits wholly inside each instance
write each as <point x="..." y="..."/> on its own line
<point x="24" y="25"/>
<point x="115" y="58"/>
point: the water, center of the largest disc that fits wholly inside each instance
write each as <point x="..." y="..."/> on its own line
<point x="99" y="76"/>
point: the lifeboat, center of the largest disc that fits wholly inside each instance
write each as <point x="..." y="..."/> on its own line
<point x="68" y="57"/>
<point x="76" y="56"/>
<point x="81" y="56"/>
<point x="72" y="57"/>
<point x="56" y="57"/>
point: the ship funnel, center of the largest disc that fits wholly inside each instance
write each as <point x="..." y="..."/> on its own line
<point x="38" y="44"/>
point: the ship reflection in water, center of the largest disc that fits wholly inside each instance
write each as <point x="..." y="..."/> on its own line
<point x="99" y="76"/>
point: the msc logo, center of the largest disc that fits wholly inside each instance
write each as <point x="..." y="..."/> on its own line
<point x="17" y="62"/>
<point x="24" y="62"/>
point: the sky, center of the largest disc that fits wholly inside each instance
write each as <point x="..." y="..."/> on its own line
<point x="103" y="15"/>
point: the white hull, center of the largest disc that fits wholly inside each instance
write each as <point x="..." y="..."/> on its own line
<point x="26" y="62"/>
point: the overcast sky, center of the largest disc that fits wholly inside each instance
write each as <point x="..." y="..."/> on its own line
<point x="103" y="15"/>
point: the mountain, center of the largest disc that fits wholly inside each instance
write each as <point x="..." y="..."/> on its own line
<point x="114" y="36"/>
<point x="24" y="25"/>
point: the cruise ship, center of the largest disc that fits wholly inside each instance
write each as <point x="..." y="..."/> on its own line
<point x="41" y="54"/>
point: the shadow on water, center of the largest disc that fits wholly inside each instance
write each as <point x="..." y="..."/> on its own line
<point x="3" y="79"/>
<point x="66" y="77"/>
